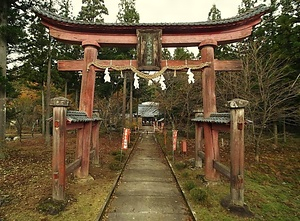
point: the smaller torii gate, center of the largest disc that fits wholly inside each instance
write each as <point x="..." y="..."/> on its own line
<point x="149" y="38"/>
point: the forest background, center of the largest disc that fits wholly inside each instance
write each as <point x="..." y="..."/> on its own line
<point x="269" y="80"/>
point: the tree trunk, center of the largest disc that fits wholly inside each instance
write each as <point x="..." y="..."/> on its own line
<point x="124" y="100"/>
<point x="187" y="126"/>
<point x="256" y="151"/>
<point x="275" y="133"/>
<point x="3" y="55"/>
<point x="257" y="139"/>
<point x="43" y="111"/>
<point x="66" y="89"/>
<point x="76" y="98"/>
<point x="48" y="95"/>
<point x="19" y="126"/>
<point x="130" y="103"/>
<point x="284" y="131"/>
<point x="137" y="112"/>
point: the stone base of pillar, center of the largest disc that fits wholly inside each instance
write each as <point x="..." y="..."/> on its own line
<point x="242" y="211"/>
<point x="87" y="179"/>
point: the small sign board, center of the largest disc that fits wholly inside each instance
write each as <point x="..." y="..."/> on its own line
<point x="149" y="49"/>
<point x="174" y="139"/>
<point x="126" y="138"/>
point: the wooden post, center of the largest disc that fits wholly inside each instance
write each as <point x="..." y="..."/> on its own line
<point x="237" y="108"/>
<point x="209" y="106"/>
<point x="60" y="105"/>
<point x="95" y="141"/>
<point x="86" y="104"/>
<point x="198" y="139"/>
<point x="165" y="137"/>
<point x="184" y="146"/>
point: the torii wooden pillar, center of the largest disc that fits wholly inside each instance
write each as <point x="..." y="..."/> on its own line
<point x="86" y="104"/>
<point x="209" y="106"/>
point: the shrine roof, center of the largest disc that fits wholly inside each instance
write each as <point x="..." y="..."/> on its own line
<point x="184" y="27"/>
<point x="80" y="116"/>
<point x="221" y="118"/>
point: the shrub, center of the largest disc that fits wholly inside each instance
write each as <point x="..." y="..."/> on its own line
<point x="119" y="156"/>
<point x="198" y="195"/>
<point x="180" y="165"/>
<point x="115" y="153"/>
<point x="115" y="166"/>
<point x="50" y="206"/>
<point x="185" y="175"/>
<point x="189" y="185"/>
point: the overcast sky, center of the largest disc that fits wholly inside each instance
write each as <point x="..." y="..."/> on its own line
<point x="171" y="10"/>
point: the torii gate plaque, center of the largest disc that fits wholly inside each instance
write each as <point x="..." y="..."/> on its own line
<point x="205" y="35"/>
<point x="149" y="49"/>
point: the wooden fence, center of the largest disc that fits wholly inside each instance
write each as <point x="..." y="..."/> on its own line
<point x="63" y="121"/>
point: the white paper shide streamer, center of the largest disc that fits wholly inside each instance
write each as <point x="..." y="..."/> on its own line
<point x="191" y="78"/>
<point x="136" y="81"/>
<point x="160" y="79"/>
<point x="106" y="76"/>
<point x="162" y="83"/>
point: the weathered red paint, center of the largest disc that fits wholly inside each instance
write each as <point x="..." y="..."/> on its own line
<point x="58" y="155"/>
<point x="173" y="36"/>
<point x="56" y="124"/>
<point x="86" y="104"/>
<point x="209" y="106"/>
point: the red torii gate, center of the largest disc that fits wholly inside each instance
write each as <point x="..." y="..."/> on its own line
<point x="205" y="35"/>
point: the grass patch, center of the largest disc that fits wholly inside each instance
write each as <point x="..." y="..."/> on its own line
<point x="189" y="185"/>
<point x="51" y="206"/>
<point x="118" y="155"/>
<point x="271" y="185"/>
<point x="198" y="195"/>
<point x="115" y="166"/>
<point x="180" y="165"/>
<point x="185" y="174"/>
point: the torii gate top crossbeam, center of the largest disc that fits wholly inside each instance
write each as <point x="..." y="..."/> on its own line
<point x="173" y="34"/>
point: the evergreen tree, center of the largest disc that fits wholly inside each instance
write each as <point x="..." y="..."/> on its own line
<point x="166" y="54"/>
<point x="127" y="12"/>
<point x="92" y="10"/>
<point x="287" y="38"/>
<point x="38" y="59"/>
<point x="183" y="54"/>
<point x="13" y="17"/>
<point x="214" y="13"/>
<point x="246" y="5"/>
<point x="3" y="54"/>
<point x="65" y="9"/>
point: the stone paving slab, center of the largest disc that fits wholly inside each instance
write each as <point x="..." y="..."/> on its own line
<point x="147" y="189"/>
<point x="147" y="175"/>
<point x="147" y="164"/>
<point x="148" y="216"/>
<point x="144" y="204"/>
<point x="148" y="208"/>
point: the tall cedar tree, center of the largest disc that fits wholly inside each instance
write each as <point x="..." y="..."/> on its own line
<point x="13" y="17"/>
<point x="92" y="10"/>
